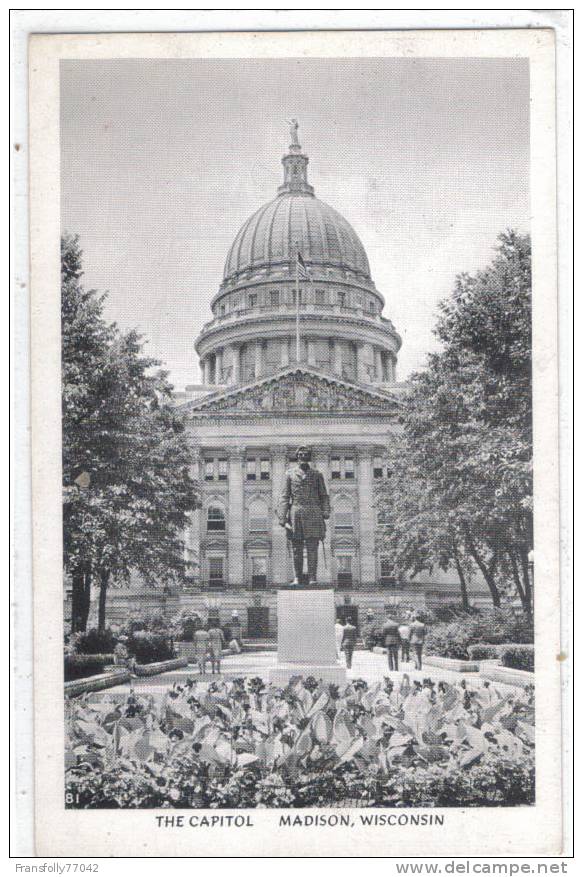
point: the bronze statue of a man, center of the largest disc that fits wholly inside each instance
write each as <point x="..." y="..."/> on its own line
<point x="303" y="509"/>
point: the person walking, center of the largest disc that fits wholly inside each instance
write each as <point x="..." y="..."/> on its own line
<point x="391" y="640"/>
<point x="201" y="648"/>
<point x="418" y="632"/>
<point x="339" y="636"/>
<point x="349" y="642"/>
<point x="405" y="635"/>
<point x="216" y="645"/>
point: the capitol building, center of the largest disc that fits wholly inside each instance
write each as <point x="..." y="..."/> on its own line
<point x="288" y="360"/>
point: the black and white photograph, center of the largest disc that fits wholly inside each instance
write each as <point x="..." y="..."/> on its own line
<point x="300" y="568"/>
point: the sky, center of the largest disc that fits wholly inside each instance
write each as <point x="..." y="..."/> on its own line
<point x="162" y="162"/>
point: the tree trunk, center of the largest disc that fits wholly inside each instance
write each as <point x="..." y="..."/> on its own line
<point x="80" y="598"/>
<point x="103" y="582"/>
<point x="528" y="585"/>
<point x="462" y="578"/>
<point x="516" y="577"/>
<point x="488" y="573"/>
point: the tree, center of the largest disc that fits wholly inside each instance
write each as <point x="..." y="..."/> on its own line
<point x="468" y="422"/>
<point x="127" y="490"/>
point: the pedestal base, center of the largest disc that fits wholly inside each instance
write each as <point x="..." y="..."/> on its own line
<point x="282" y="674"/>
<point x="306" y="642"/>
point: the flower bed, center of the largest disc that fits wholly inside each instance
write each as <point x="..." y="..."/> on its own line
<point x="245" y="744"/>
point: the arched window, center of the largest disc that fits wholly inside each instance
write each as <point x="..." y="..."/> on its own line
<point x="215" y="519"/>
<point x="258" y="516"/>
<point x="343" y="515"/>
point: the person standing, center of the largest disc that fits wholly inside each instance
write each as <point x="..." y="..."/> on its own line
<point x="391" y="640"/>
<point x="339" y="636"/>
<point x="405" y="635"/>
<point x="201" y="648"/>
<point x="349" y="642"/>
<point x="367" y="632"/>
<point x="417" y="639"/>
<point x="216" y="645"/>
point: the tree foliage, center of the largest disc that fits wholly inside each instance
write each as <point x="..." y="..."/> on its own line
<point x="460" y="493"/>
<point x="127" y="491"/>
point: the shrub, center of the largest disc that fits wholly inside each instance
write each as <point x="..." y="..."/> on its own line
<point x="481" y="652"/>
<point x="491" y="627"/>
<point x="147" y="647"/>
<point x="185" y="625"/>
<point x="154" y="622"/>
<point x="94" y="642"/>
<point x="82" y="666"/>
<point x="518" y="657"/>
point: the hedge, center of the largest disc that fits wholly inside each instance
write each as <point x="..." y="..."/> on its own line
<point x="82" y="666"/>
<point x="518" y="657"/>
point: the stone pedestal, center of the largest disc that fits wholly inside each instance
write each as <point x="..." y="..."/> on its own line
<point x="306" y="644"/>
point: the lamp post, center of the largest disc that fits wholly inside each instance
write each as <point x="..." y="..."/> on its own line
<point x="530" y="559"/>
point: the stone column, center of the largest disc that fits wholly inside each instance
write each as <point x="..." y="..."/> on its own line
<point x="367" y="516"/>
<point x="236" y="355"/>
<point x="337" y="357"/>
<point x="378" y="363"/>
<point x="203" y="370"/>
<point x="311" y="345"/>
<point x="393" y="361"/>
<point x="193" y="535"/>
<point x="219" y="367"/>
<point x="279" y="550"/>
<point x="361" y="372"/>
<point x="322" y="462"/>
<point x="235" y="518"/>
<point x="285" y="351"/>
<point x="259" y="359"/>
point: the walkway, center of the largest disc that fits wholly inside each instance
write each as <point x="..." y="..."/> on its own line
<point x="366" y="665"/>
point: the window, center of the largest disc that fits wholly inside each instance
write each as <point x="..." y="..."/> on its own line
<point x="348" y="467"/>
<point x="223" y="470"/>
<point x="377" y="467"/>
<point x="209" y="469"/>
<point x="381" y="518"/>
<point x="344" y="575"/>
<point x="335" y="471"/>
<point x="222" y="310"/>
<point x="250" y="468"/>
<point x="215" y="519"/>
<point x="258" y="516"/>
<point x="320" y="297"/>
<point x="294" y="297"/>
<point x="342" y="299"/>
<point x="265" y="469"/>
<point x="343" y="516"/>
<point x="259" y="572"/>
<point x="216" y="572"/>
<point x="387" y="573"/>
<point x="252" y="300"/>
<point x="274" y="298"/>
<point x="372" y="307"/>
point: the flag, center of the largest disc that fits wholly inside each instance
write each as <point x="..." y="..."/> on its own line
<point x="303" y="270"/>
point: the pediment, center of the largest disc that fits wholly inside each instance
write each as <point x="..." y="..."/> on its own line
<point x="296" y="391"/>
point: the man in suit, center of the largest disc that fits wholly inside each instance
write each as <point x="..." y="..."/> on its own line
<point x="367" y="630"/>
<point x="417" y="639"/>
<point x="391" y="639"/>
<point x="349" y="642"/>
<point x="303" y="509"/>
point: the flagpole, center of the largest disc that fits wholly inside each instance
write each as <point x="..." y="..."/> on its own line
<point x="297" y="309"/>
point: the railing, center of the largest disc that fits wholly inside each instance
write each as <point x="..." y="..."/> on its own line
<point x="287" y="307"/>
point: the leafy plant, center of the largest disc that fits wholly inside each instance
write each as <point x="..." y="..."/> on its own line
<point x="82" y="666"/>
<point x="247" y="744"/>
<point x="94" y="642"/>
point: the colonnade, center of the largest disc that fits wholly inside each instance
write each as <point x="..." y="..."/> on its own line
<point x="373" y="364"/>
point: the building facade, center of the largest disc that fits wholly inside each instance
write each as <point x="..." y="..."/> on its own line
<point x="287" y="361"/>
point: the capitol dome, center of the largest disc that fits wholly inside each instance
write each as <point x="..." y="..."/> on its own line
<point x="266" y="317"/>
<point x="296" y="221"/>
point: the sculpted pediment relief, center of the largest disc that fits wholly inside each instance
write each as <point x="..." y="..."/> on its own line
<point x="297" y="392"/>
